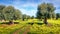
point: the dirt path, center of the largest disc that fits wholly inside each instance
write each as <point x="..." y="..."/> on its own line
<point x="16" y="32"/>
<point x="25" y="32"/>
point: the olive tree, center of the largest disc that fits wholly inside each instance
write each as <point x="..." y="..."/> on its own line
<point x="44" y="10"/>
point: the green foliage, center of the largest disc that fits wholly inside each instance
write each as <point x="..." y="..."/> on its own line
<point x="1" y="12"/>
<point x="25" y="17"/>
<point x="28" y="17"/>
<point x="9" y="13"/>
<point x="45" y="10"/>
<point x="57" y="15"/>
<point x="32" y="17"/>
<point x="17" y="14"/>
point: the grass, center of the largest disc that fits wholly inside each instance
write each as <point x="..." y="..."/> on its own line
<point x="43" y="29"/>
<point x="9" y="29"/>
<point x="37" y="28"/>
<point x="54" y="21"/>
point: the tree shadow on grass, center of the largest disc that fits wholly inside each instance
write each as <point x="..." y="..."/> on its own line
<point x="31" y="23"/>
<point x="8" y="23"/>
<point x="40" y="23"/>
<point x="4" y="23"/>
<point x="31" y="33"/>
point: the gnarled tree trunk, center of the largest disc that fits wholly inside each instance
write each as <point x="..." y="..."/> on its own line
<point x="11" y="22"/>
<point x="45" y="20"/>
<point x="23" y="19"/>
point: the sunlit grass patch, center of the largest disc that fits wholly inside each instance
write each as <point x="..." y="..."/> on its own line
<point x="54" y="21"/>
<point x="43" y="29"/>
<point x="8" y="29"/>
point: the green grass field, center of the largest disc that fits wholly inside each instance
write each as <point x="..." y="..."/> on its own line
<point x="37" y="28"/>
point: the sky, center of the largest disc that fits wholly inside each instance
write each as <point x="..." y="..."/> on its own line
<point x="29" y="7"/>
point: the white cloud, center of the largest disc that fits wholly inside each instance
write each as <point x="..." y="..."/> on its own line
<point x="31" y="12"/>
<point x="22" y="5"/>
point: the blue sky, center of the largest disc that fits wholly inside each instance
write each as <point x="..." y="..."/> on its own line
<point x="29" y="7"/>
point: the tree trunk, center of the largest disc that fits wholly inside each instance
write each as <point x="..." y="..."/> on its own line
<point x="23" y="19"/>
<point x="45" y="20"/>
<point x="11" y="22"/>
<point x="41" y="19"/>
<point x="56" y="18"/>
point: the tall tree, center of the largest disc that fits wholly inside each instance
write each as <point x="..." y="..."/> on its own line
<point x="45" y="10"/>
<point x="24" y="17"/>
<point x="10" y="13"/>
<point x="28" y="17"/>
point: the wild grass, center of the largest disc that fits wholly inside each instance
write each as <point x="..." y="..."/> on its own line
<point x="37" y="28"/>
<point x="44" y="29"/>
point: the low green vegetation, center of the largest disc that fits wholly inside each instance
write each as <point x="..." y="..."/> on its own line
<point x="44" y="29"/>
<point x="37" y="28"/>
